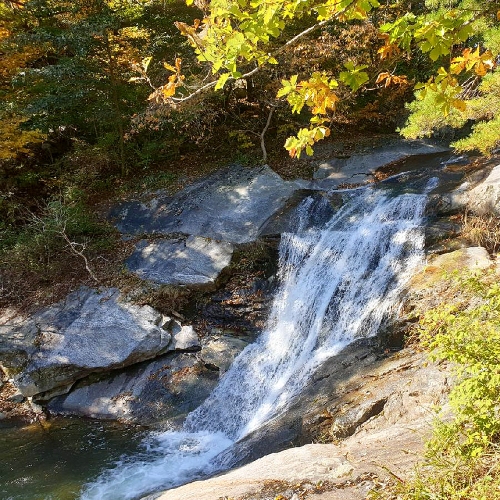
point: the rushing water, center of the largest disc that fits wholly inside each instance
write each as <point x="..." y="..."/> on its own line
<point x="338" y="283"/>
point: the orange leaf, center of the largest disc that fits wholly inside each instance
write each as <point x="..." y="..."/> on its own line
<point x="459" y="104"/>
<point x="383" y="76"/>
<point x="168" y="90"/>
<point x="388" y="50"/>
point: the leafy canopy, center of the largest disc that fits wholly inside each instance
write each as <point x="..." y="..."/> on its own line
<point x="461" y="39"/>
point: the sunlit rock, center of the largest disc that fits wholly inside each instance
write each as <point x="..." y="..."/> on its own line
<point x="231" y="205"/>
<point x="89" y="331"/>
<point x="179" y="261"/>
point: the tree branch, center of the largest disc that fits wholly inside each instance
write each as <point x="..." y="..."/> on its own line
<point x="262" y="143"/>
<point x="257" y="68"/>
<point x="72" y="245"/>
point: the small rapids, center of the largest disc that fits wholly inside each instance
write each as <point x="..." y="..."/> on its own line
<point x="338" y="283"/>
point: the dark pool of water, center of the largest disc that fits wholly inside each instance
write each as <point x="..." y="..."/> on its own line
<point x="53" y="461"/>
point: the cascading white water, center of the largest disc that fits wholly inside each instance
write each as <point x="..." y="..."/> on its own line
<point x="338" y="283"/>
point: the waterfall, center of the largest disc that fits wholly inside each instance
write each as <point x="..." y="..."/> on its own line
<point x="337" y="283"/>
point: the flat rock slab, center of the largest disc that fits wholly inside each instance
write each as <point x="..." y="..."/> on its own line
<point x="360" y="167"/>
<point x="90" y="331"/>
<point x="180" y="261"/>
<point x="165" y="388"/>
<point x="231" y="205"/>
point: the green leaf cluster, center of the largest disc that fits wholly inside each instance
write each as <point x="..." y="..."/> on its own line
<point x="462" y="461"/>
<point x="463" y="38"/>
<point x="467" y="333"/>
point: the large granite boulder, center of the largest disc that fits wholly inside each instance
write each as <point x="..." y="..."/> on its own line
<point x="231" y="205"/>
<point x="180" y="261"/>
<point x="154" y="391"/>
<point x="90" y="331"/>
<point x="150" y="392"/>
<point x="484" y="199"/>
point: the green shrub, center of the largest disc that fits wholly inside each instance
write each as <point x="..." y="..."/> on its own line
<point x="468" y="334"/>
<point x="60" y="228"/>
<point x="463" y="456"/>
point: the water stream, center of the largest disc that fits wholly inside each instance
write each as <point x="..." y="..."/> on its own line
<point x="338" y="283"/>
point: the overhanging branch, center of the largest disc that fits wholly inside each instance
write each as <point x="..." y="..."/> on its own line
<point x="290" y="42"/>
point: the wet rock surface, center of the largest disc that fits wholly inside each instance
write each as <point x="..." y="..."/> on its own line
<point x="319" y="205"/>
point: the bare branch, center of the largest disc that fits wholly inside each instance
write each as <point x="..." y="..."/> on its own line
<point x="262" y="143"/>
<point x="73" y="247"/>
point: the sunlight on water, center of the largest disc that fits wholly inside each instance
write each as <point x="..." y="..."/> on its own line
<point x="338" y="283"/>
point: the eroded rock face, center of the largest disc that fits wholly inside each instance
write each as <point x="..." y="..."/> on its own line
<point x="231" y="205"/>
<point x="90" y="331"/>
<point x="179" y="261"/>
<point x="485" y="197"/>
<point x="151" y="392"/>
<point x="361" y="167"/>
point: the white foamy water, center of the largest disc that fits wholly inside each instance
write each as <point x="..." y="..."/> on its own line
<point x="338" y="283"/>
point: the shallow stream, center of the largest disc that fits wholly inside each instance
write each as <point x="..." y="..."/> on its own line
<point x="53" y="461"/>
<point x="338" y="282"/>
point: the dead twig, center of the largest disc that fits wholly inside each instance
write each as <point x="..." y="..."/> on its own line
<point x="263" y="133"/>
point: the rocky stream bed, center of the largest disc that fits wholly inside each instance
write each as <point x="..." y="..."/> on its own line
<point x="211" y="253"/>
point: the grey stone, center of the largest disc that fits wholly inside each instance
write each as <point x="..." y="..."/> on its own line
<point x="190" y="261"/>
<point x="231" y="205"/>
<point x="454" y="201"/>
<point x="90" y="331"/>
<point x="361" y="167"/>
<point x="184" y="338"/>
<point x="485" y="198"/>
<point x="17" y="397"/>
<point x="464" y="258"/>
<point x="154" y="391"/>
<point x="220" y="352"/>
<point x="441" y="229"/>
<point x="349" y="421"/>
